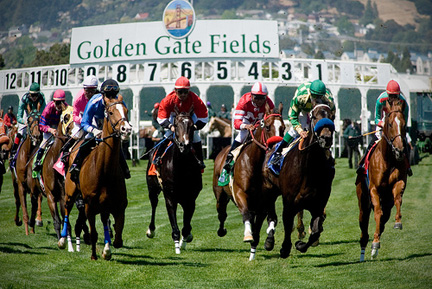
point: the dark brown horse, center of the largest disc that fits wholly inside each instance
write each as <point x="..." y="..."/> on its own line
<point x="387" y="177"/>
<point x="23" y="170"/>
<point x="101" y="180"/>
<point x="304" y="182"/>
<point x="245" y="187"/>
<point x="179" y="177"/>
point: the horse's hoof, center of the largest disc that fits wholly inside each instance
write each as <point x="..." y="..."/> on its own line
<point x="94" y="257"/>
<point x="18" y="223"/>
<point x="39" y="223"/>
<point x="284" y="253"/>
<point x="106" y="254"/>
<point x="375" y="247"/>
<point x="61" y="243"/>
<point x="301" y="246"/>
<point x="118" y="244"/>
<point x="222" y="232"/>
<point x="398" y="226"/>
<point x="269" y="243"/>
<point x="248" y="239"/>
<point x="150" y="234"/>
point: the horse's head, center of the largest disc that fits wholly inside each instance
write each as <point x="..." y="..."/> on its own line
<point x="184" y="129"/>
<point x="116" y="114"/>
<point x="394" y="128"/>
<point x="272" y="125"/>
<point x="33" y="127"/>
<point x="322" y="125"/>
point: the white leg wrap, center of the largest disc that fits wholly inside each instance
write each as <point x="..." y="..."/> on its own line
<point x="78" y="244"/>
<point x="252" y="254"/>
<point x="271" y="227"/>
<point x="70" y="246"/>
<point x="374" y="253"/>
<point x="177" y="247"/>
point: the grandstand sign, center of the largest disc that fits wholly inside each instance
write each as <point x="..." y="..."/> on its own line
<point x="150" y="41"/>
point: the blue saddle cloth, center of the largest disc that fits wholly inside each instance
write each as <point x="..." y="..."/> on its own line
<point x="275" y="168"/>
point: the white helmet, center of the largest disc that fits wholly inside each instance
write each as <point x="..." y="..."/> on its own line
<point x="259" y="88"/>
<point x="90" y="81"/>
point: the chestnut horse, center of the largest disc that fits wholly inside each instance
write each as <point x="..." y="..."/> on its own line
<point x="304" y="182"/>
<point x="5" y="146"/>
<point x="245" y="187"/>
<point x="179" y="177"/>
<point x="23" y="170"/>
<point x="101" y="180"/>
<point x="221" y="125"/>
<point x="387" y="177"/>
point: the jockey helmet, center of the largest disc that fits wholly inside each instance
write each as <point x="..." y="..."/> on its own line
<point x="34" y="88"/>
<point x="182" y="82"/>
<point x="110" y="88"/>
<point x="156" y="105"/>
<point x="90" y="81"/>
<point x="10" y="107"/>
<point x="259" y="89"/>
<point x="59" y="94"/>
<point x="318" y="88"/>
<point x="393" y="87"/>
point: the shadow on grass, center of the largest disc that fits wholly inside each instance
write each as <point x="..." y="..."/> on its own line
<point x="224" y="250"/>
<point x="413" y="256"/>
<point x="340" y="242"/>
<point x="149" y="260"/>
<point x="9" y="250"/>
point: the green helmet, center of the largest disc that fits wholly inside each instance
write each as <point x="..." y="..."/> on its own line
<point x="318" y="87"/>
<point x="34" y="87"/>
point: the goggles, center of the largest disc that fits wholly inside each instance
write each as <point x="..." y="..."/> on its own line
<point x="182" y="91"/>
<point x="90" y="89"/>
<point x="111" y="88"/>
<point x="258" y="97"/>
<point x="58" y="102"/>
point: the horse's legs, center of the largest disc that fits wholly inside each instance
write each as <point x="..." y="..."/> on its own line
<point x="256" y="233"/>
<point x="66" y="226"/>
<point x="242" y="204"/>
<point x="378" y="213"/>
<point x="172" y="215"/>
<point x="34" y="199"/>
<point x="93" y="232"/>
<point x="316" y="228"/>
<point x="272" y="222"/>
<point x="106" y="253"/>
<point x="17" y="220"/>
<point x="54" y="213"/>
<point x="288" y="215"/>
<point x="222" y="201"/>
<point x="119" y="219"/>
<point x="154" y="200"/>
<point x="364" y="204"/>
<point x="23" y="200"/>
<point x="398" y="190"/>
<point x="39" y="221"/>
<point x="300" y="225"/>
<point x="188" y="211"/>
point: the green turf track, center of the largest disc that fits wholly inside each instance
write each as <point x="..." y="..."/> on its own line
<point x="404" y="261"/>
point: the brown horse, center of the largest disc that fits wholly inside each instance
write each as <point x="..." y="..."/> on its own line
<point x="101" y="180"/>
<point x="304" y="182"/>
<point x="179" y="177"/>
<point x="221" y="125"/>
<point x="387" y="172"/>
<point x="245" y="187"/>
<point x="21" y="174"/>
<point x="5" y="140"/>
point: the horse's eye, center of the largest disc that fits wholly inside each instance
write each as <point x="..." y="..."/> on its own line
<point x="111" y="113"/>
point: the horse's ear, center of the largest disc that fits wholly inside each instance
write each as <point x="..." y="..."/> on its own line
<point x="388" y="105"/>
<point x="120" y="97"/>
<point x="267" y="109"/>
<point x="280" y="108"/>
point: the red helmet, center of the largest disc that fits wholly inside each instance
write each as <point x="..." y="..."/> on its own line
<point x="259" y="88"/>
<point x="393" y="87"/>
<point x="182" y="82"/>
<point x="156" y="105"/>
<point x="59" y="95"/>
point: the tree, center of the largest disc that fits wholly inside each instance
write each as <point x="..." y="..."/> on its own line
<point x="57" y="54"/>
<point x="2" y="62"/>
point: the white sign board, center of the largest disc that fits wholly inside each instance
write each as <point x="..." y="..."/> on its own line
<point x="149" y="41"/>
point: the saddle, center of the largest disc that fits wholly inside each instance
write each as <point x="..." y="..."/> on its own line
<point x="153" y="167"/>
<point x="226" y="177"/>
<point x="276" y="168"/>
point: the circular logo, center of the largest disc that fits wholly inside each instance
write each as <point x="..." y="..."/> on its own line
<point x="179" y="18"/>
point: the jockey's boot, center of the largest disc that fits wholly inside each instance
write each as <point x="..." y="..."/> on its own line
<point x="408" y="166"/>
<point x="277" y="156"/>
<point x="83" y="151"/>
<point x="38" y="164"/>
<point x="197" y="146"/>
<point x="157" y="160"/>
<point x="230" y="157"/>
<point x="124" y="166"/>
<point x="361" y="169"/>
<point x="65" y="150"/>
<point x="15" y="146"/>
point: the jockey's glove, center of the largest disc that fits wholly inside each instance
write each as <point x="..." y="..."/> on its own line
<point x="96" y="131"/>
<point x="199" y="125"/>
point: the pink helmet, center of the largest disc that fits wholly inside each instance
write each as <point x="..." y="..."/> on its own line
<point x="59" y="95"/>
<point x="393" y="87"/>
<point x="182" y="82"/>
<point x="259" y="88"/>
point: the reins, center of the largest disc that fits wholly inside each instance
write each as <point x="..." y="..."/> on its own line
<point x="263" y="139"/>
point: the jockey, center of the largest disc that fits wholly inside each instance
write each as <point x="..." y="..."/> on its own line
<point x="306" y="95"/>
<point x="32" y="100"/>
<point x="89" y="89"/>
<point x="49" y="122"/>
<point x="182" y="98"/>
<point x="92" y="123"/>
<point x="10" y="118"/>
<point x="250" y="109"/>
<point x="392" y="93"/>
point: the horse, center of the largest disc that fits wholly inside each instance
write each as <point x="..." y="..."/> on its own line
<point x="221" y="125"/>
<point x="5" y="140"/>
<point x="179" y="177"/>
<point x="245" y="187"/>
<point x="304" y="182"/>
<point x="102" y="181"/>
<point x="21" y="174"/>
<point x="387" y="177"/>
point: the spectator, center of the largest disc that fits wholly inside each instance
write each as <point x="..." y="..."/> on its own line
<point x="351" y="134"/>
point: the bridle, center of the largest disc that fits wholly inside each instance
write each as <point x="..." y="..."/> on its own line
<point x="391" y="140"/>
<point x="264" y="138"/>
<point x="35" y="117"/>
<point x="317" y="139"/>
<point x="116" y="132"/>
<point x="182" y="115"/>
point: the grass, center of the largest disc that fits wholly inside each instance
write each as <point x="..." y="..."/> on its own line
<point x="404" y="261"/>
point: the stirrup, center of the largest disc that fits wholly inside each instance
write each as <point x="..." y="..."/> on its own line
<point x="276" y="158"/>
